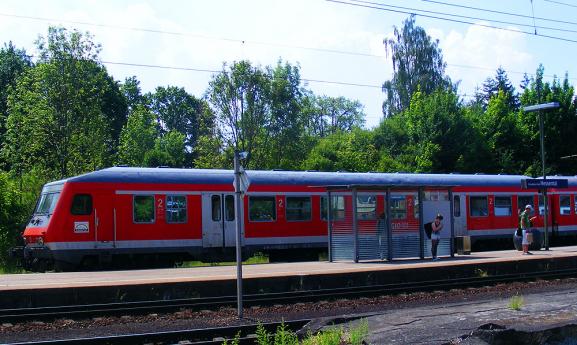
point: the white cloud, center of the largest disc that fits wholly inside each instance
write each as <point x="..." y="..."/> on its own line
<point x="485" y="50"/>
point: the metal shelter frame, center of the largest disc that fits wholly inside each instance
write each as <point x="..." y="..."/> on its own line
<point x="387" y="190"/>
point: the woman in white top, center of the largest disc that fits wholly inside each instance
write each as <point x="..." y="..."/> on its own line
<point x="437" y="226"/>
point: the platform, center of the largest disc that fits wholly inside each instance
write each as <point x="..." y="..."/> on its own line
<point x="52" y="289"/>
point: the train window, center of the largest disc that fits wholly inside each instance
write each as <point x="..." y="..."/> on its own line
<point x="229" y="208"/>
<point x="216" y="208"/>
<point x="503" y="206"/>
<point x="479" y="206"/>
<point x="398" y="207"/>
<point x="523" y="201"/>
<point x="143" y="209"/>
<point x="366" y="207"/>
<point x="436" y="195"/>
<point x="47" y="203"/>
<point x="564" y="205"/>
<point x="456" y="205"/>
<point x="81" y="205"/>
<point x="176" y="209"/>
<point x="298" y="208"/>
<point x="338" y="204"/>
<point x="261" y="208"/>
<point x="542" y="205"/>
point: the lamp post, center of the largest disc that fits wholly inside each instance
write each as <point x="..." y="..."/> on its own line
<point x="538" y="108"/>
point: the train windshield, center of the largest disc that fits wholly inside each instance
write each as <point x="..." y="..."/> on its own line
<point x="47" y="203"/>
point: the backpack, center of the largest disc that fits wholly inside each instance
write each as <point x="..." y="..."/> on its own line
<point x="428" y="229"/>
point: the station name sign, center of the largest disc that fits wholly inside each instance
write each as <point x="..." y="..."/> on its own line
<point x="539" y="183"/>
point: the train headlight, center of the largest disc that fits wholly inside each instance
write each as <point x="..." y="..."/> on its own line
<point x="40" y="241"/>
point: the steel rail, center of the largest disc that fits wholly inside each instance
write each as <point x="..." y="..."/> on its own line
<point x="143" y="307"/>
<point x="244" y="333"/>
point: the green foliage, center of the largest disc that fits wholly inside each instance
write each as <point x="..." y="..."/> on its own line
<point x="168" y="151"/>
<point x="333" y="336"/>
<point x="335" y="114"/>
<point x="262" y="336"/>
<point x="17" y="199"/>
<point x="354" y="151"/>
<point x="137" y="137"/>
<point x="63" y="112"/>
<point x="358" y="334"/>
<point x="560" y="126"/>
<point x="9" y="206"/>
<point x="132" y="93"/>
<point x="13" y="62"/>
<point x="417" y="66"/>
<point x="284" y="336"/>
<point x="436" y="129"/>
<point x="239" y="96"/>
<point x="516" y="302"/>
<point x="178" y="111"/>
<point x="209" y="155"/>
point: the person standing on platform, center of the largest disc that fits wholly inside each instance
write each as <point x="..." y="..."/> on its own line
<point x="381" y="234"/>
<point x="525" y="224"/>
<point x="437" y="226"/>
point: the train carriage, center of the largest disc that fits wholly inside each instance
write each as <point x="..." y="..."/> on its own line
<point x="159" y="216"/>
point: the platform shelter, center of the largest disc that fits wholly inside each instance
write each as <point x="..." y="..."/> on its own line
<point x="387" y="222"/>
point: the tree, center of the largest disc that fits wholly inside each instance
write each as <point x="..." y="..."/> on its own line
<point x="132" y="93"/>
<point x="500" y="83"/>
<point x="352" y="151"/>
<point x="285" y="138"/>
<point x="13" y="62"/>
<point x="436" y="131"/>
<point x="329" y="115"/>
<point x="498" y="127"/>
<point x="177" y="110"/>
<point x="560" y="126"/>
<point x="417" y="66"/>
<point x="239" y="96"/>
<point x="137" y="137"/>
<point x="168" y="151"/>
<point x="67" y="107"/>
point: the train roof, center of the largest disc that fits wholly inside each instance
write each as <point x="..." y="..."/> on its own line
<point x="308" y="178"/>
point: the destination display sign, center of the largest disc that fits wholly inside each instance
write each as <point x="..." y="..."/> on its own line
<point x="539" y="183"/>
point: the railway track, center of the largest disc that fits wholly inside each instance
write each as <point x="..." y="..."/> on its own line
<point x="145" y="307"/>
<point x="245" y="334"/>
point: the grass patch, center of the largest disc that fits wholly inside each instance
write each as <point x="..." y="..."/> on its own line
<point x="481" y="273"/>
<point x="256" y="259"/>
<point x="10" y="268"/>
<point x="516" y="302"/>
<point x="333" y="336"/>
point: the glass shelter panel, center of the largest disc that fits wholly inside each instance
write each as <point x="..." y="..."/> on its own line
<point x="405" y="228"/>
<point x="342" y="236"/>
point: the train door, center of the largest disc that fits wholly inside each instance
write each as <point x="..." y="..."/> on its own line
<point x="218" y="220"/>
<point x="430" y="210"/>
<point x="103" y="221"/>
<point x="459" y="214"/>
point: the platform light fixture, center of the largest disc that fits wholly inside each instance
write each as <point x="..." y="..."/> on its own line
<point x="539" y="108"/>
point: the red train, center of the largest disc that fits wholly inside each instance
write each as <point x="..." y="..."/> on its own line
<point x="159" y="216"/>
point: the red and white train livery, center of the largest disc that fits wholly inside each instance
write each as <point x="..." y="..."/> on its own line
<point x="115" y="216"/>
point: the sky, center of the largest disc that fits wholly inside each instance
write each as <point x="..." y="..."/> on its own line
<point x="338" y="45"/>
